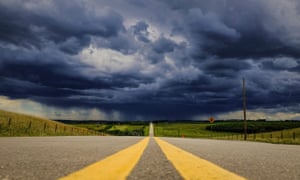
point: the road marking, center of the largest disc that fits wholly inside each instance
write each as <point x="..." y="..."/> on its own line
<point x="151" y="134"/>
<point x="193" y="167"/>
<point x="116" y="166"/>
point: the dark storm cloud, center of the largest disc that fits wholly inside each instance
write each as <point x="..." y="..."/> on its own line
<point x="140" y="30"/>
<point x="24" y="89"/>
<point x="153" y="59"/>
<point x="59" y="74"/>
<point x="50" y="69"/>
<point x="280" y="63"/>
<point x="56" y="76"/>
<point x="163" y="45"/>
<point x="225" y="67"/>
<point x="67" y="24"/>
<point x="14" y="29"/>
<point x="239" y="29"/>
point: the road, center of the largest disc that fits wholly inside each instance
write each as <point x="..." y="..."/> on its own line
<point x="249" y="159"/>
<point x="56" y="157"/>
<point x="36" y="158"/>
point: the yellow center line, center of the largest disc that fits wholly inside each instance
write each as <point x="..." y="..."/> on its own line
<point x="116" y="166"/>
<point x="193" y="167"/>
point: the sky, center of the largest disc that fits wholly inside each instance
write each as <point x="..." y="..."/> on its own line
<point x="150" y="59"/>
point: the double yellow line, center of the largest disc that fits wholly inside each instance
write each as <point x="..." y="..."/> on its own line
<point x="193" y="167"/>
<point x="119" y="165"/>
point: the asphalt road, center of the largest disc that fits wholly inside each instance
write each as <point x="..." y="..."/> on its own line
<point x="154" y="165"/>
<point x="55" y="157"/>
<point x="49" y="158"/>
<point x="251" y="160"/>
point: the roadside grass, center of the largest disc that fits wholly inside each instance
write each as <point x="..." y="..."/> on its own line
<point x="118" y="128"/>
<point x="202" y="130"/>
<point x="16" y="124"/>
<point x="287" y="136"/>
<point x="290" y="136"/>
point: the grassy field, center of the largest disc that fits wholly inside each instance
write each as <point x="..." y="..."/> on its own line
<point x="15" y="124"/>
<point x="118" y="128"/>
<point x="186" y="129"/>
<point x="287" y="132"/>
<point x="286" y="135"/>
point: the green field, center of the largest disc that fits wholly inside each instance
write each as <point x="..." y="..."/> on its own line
<point x="188" y="129"/>
<point x="285" y="132"/>
<point x="15" y="124"/>
<point x="117" y="128"/>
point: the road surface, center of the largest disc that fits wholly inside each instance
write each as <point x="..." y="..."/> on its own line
<point x="252" y="160"/>
<point x="54" y="157"/>
<point x="57" y="157"/>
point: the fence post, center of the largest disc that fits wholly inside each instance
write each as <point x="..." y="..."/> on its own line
<point x="294" y="135"/>
<point x="271" y="135"/>
<point x="29" y="125"/>
<point x="28" y="128"/>
<point x="281" y="135"/>
<point x="45" y="126"/>
<point x="9" y="122"/>
<point x="55" y="127"/>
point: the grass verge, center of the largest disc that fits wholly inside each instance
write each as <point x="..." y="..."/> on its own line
<point x="206" y="130"/>
<point x="15" y="124"/>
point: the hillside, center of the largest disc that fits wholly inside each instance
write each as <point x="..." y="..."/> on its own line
<point x="16" y="124"/>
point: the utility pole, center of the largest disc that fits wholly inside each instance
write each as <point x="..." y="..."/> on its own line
<point x="244" y="105"/>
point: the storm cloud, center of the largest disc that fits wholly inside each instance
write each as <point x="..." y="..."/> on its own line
<point x="151" y="59"/>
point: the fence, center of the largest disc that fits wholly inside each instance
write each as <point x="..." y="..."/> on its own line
<point x="10" y="126"/>
<point x="284" y="136"/>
